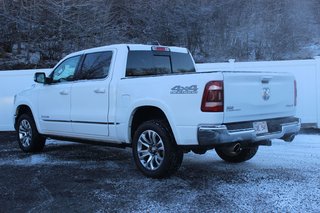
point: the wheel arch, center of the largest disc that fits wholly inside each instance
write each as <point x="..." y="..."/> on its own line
<point x="148" y="112"/>
<point x="23" y="109"/>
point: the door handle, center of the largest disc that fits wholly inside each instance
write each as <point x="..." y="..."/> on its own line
<point x="99" y="90"/>
<point x="266" y="79"/>
<point x="64" y="92"/>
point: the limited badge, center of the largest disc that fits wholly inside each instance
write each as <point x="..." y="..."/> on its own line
<point x="266" y="94"/>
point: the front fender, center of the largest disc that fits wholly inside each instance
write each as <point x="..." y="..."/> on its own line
<point x="31" y="104"/>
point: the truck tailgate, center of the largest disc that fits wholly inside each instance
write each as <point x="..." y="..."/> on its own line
<point x="252" y="96"/>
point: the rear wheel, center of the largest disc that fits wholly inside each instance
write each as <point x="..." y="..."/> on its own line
<point x="154" y="150"/>
<point x="236" y="155"/>
<point x="29" y="138"/>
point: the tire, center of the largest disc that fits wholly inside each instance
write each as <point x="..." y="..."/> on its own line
<point x="154" y="150"/>
<point x="243" y="154"/>
<point x="29" y="138"/>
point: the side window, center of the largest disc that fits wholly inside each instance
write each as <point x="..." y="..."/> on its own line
<point x="142" y="63"/>
<point x="65" y="71"/>
<point x="95" y="66"/>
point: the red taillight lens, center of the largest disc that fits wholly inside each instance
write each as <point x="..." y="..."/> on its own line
<point x="212" y="99"/>
<point x="295" y="93"/>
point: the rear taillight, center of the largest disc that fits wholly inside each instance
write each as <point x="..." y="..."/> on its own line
<point x="295" y="93"/>
<point x="212" y="99"/>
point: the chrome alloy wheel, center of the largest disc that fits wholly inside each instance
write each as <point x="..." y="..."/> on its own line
<point x="150" y="149"/>
<point x="25" y="133"/>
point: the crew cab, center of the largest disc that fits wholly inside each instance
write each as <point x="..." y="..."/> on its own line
<point x="150" y="98"/>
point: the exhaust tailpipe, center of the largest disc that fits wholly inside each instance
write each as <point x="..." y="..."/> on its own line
<point x="289" y="138"/>
<point x="237" y="148"/>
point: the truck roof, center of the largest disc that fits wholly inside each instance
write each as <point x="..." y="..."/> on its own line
<point x="134" y="47"/>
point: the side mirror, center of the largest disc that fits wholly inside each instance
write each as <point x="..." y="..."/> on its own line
<point x="40" y="77"/>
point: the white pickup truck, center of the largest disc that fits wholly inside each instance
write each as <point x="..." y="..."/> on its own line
<point x="151" y="98"/>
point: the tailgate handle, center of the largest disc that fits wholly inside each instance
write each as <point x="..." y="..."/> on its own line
<point x="100" y="90"/>
<point x="266" y="79"/>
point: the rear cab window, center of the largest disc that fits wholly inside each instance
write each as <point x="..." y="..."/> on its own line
<point x="146" y="63"/>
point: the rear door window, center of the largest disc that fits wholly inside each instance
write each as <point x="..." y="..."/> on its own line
<point x="95" y="66"/>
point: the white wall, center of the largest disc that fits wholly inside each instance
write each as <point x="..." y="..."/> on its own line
<point x="11" y="83"/>
<point x="307" y="73"/>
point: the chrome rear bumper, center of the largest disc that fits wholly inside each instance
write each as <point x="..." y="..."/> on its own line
<point x="220" y="134"/>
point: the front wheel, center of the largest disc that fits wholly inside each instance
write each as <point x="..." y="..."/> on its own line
<point x="28" y="136"/>
<point x="154" y="150"/>
<point x="237" y="155"/>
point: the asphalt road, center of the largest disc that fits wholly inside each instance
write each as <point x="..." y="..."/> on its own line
<point x="70" y="177"/>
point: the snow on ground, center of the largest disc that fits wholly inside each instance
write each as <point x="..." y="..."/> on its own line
<point x="302" y="152"/>
<point x="74" y="177"/>
<point x="284" y="177"/>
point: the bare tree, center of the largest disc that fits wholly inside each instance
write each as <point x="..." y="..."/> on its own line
<point x="213" y="30"/>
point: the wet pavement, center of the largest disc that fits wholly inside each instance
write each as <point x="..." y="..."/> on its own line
<point x="72" y="177"/>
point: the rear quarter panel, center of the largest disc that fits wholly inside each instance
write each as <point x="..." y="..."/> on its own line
<point x="169" y="93"/>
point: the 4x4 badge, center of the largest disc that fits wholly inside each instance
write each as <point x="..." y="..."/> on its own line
<point x="193" y="89"/>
